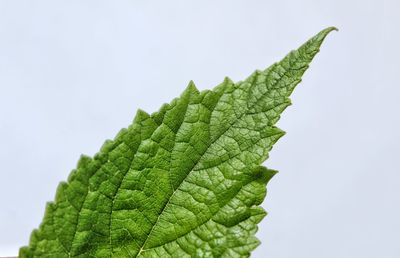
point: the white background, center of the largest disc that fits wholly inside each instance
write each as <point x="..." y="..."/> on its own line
<point x="72" y="73"/>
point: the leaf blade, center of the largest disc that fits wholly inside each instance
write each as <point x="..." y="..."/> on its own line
<point x="183" y="181"/>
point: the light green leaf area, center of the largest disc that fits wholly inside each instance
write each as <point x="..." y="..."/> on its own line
<point x="186" y="181"/>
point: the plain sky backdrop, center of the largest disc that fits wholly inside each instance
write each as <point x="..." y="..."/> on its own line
<point x="72" y="73"/>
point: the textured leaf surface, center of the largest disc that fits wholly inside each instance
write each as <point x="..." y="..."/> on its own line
<point x="186" y="181"/>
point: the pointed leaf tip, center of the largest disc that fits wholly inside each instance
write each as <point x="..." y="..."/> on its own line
<point x="323" y="33"/>
<point x="331" y="28"/>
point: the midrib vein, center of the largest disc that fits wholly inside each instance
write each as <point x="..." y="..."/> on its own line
<point x="191" y="169"/>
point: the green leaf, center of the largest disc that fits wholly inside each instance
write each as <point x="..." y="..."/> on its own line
<point x="186" y="181"/>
